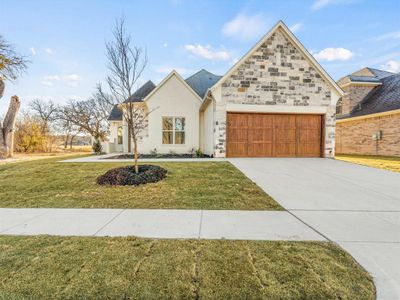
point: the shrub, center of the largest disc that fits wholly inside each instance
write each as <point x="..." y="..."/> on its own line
<point x="199" y="153"/>
<point x="127" y="176"/>
<point x="97" y="148"/>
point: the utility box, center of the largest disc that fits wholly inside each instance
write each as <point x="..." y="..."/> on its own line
<point x="377" y="135"/>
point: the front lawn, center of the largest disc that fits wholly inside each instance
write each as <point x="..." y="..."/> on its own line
<point x="45" y="267"/>
<point x="390" y="163"/>
<point x="195" y="185"/>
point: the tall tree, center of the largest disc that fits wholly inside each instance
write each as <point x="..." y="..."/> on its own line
<point x="12" y="65"/>
<point x="126" y="64"/>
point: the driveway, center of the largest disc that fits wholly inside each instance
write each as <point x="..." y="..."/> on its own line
<point x="355" y="206"/>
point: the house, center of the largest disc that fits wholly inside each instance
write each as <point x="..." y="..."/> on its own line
<point x="369" y="113"/>
<point x="276" y="101"/>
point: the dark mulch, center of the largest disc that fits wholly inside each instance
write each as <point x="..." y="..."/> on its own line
<point x="130" y="156"/>
<point x="127" y="176"/>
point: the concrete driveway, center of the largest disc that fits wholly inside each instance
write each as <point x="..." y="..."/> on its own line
<point x="355" y="206"/>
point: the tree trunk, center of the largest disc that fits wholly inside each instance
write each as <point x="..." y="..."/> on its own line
<point x="7" y="129"/>
<point x="71" y="141"/>
<point x="2" y="87"/>
<point x="66" y="141"/>
<point x="135" y="150"/>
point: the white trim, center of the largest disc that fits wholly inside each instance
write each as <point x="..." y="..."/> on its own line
<point x="296" y="42"/>
<point x="376" y="115"/>
<point x="173" y="72"/>
<point x="362" y="83"/>
<point x="254" y="108"/>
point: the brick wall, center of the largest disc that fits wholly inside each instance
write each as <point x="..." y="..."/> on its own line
<point x="353" y="94"/>
<point x="275" y="74"/>
<point x="355" y="137"/>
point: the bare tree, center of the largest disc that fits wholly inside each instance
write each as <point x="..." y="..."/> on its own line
<point x="46" y="111"/>
<point x="12" y="65"/>
<point x="126" y="64"/>
<point x="85" y="115"/>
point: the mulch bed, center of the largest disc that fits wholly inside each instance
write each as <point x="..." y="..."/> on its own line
<point x="151" y="156"/>
<point x="127" y="176"/>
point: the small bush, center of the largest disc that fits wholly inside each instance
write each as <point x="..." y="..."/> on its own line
<point x="199" y="153"/>
<point x="97" y="148"/>
<point x="127" y="176"/>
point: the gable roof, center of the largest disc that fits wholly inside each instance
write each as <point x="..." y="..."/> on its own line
<point x="173" y="73"/>
<point x="365" y="75"/>
<point x="297" y="44"/>
<point x="115" y="114"/>
<point x="141" y="92"/>
<point x="385" y="97"/>
<point x="201" y="81"/>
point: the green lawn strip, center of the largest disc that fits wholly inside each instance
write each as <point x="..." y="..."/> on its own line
<point x="191" y="185"/>
<point x="44" y="267"/>
<point x="390" y="163"/>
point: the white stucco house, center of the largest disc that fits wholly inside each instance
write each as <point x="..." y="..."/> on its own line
<point x="276" y="101"/>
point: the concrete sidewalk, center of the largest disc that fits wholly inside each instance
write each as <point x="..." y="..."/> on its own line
<point x="355" y="206"/>
<point x="157" y="223"/>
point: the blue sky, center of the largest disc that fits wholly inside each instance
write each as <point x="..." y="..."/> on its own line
<point x="65" y="39"/>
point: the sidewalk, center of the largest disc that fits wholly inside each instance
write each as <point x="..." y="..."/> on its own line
<point x="156" y="223"/>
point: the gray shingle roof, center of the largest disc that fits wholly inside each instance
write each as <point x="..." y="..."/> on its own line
<point x="115" y="114"/>
<point x="364" y="79"/>
<point x="142" y="92"/>
<point x="385" y="97"/>
<point x="380" y="73"/>
<point x="201" y="81"/>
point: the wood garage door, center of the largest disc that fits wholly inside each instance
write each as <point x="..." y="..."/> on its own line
<point x="269" y="135"/>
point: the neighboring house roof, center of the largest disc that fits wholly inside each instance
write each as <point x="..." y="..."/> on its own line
<point x="364" y="79"/>
<point x="173" y="73"/>
<point x="296" y="42"/>
<point x="380" y="73"/>
<point x="142" y="92"/>
<point x="385" y="97"/>
<point x="115" y="114"/>
<point x="201" y="81"/>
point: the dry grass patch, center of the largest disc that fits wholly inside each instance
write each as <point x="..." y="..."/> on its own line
<point x="390" y="163"/>
<point x="46" y="267"/>
<point x="195" y="185"/>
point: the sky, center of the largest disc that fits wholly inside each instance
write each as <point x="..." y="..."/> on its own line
<point x="65" y="40"/>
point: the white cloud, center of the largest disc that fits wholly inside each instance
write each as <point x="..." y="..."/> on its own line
<point x="207" y="52"/>
<point x="48" y="51"/>
<point x="296" y="27"/>
<point x="71" y="79"/>
<point x="386" y="36"/>
<point x="245" y="27"/>
<point x="234" y="61"/>
<point x="332" y="54"/>
<point x="33" y="50"/>
<point x="392" y="66"/>
<point x="318" y="4"/>
<point x="165" y="45"/>
<point x="168" y="69"/>
<point x="49" y="80"/>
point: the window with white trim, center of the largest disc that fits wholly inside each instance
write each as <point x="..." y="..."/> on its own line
<point x="173" y="130"/>
<point x="120" y="133"/>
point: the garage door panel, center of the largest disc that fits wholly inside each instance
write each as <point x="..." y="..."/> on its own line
<point x="284" y="149"/>
<point x="273" y="135"/>
<point x="260" y="149"/>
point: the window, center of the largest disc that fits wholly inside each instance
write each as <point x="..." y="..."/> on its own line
<point x="339" y="107"/>
<point x="120" y="135"/>
<point x="173" y="130"/>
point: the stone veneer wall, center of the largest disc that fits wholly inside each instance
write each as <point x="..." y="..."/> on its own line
<point x="276" y="74"/>
<point x="355" y="137"/>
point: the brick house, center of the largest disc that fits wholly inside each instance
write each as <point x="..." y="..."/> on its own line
<point x="368" y="115"/>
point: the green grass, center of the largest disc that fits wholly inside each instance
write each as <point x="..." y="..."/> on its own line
<point x="196" y="185"/>
<point x="390" y="163"/>
<point x="45" y="267"/>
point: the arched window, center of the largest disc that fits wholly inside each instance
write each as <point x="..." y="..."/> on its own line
<point x="120" y="135"/>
